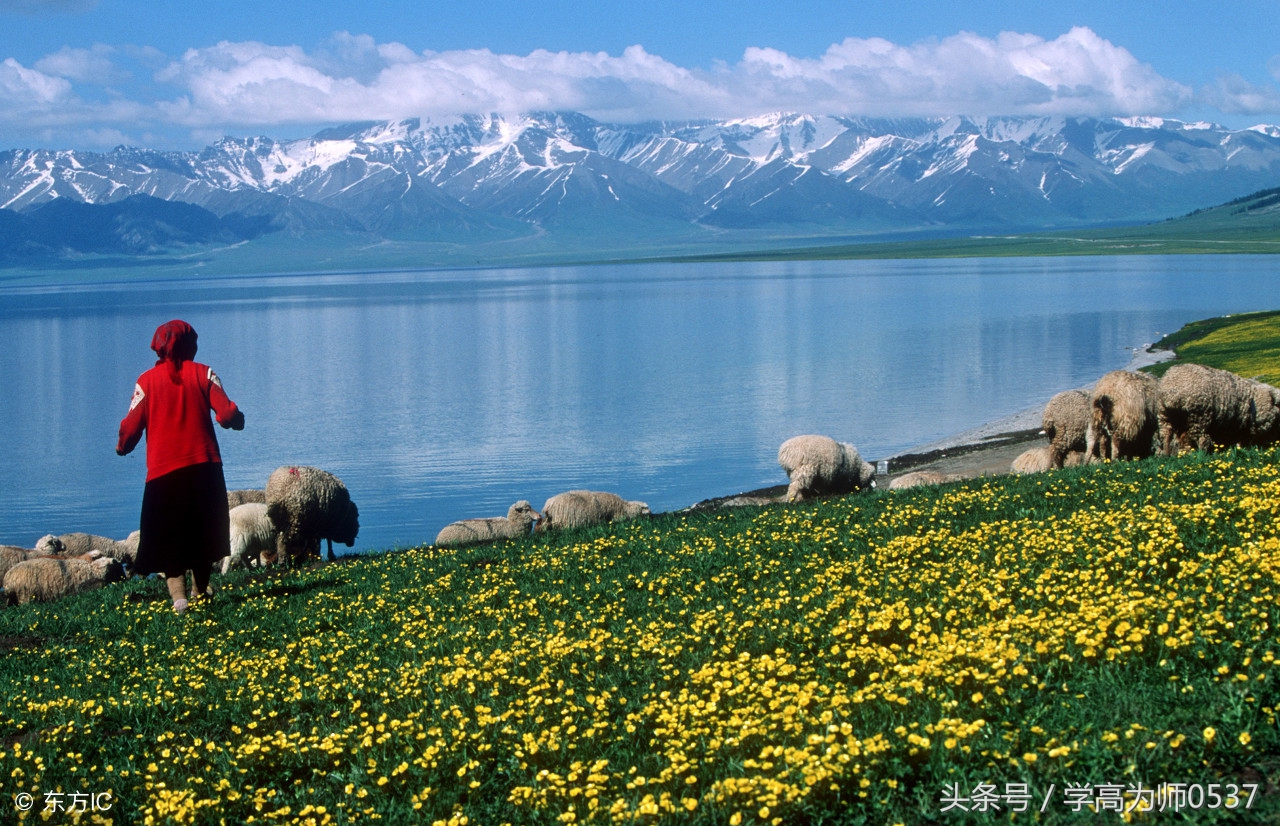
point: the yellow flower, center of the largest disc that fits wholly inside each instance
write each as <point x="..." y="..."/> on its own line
<point x="1244" y="738"/>
<point x="1030" y="757"/>
<point x="1209" y="733"/>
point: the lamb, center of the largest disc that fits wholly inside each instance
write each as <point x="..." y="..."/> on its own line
<point x="922" y="477"/>
<point x="581" y="508"/>
<point x="1066" y="422"/>
<point x="306" y="505"/>
<point x="1040" y="459"/>
<point x="1125" y="416"/>
<point x="44" y="579"/>
<point x="819" y="464"/>
<point x="124" y="550"/>
<point x="519" y="519"/>
<point x="242" y="497"/>
<point x="1204" y="407"/>
<point x="253" y="535"/>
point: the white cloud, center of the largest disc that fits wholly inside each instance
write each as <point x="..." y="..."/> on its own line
<point x="238" y="86"/>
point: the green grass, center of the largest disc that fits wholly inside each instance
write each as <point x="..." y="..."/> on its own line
<point x="845" y="661"/>
<point x="1247" y="344"/>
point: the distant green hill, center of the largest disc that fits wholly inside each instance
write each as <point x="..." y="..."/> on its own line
<point x="1246" y="225"/>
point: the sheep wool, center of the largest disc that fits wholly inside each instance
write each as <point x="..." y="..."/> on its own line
<point x="1066" y="421"/>
<point x="307" y="505"/>
<point x="819" y="465"/>
<point x="1125" y="415"/>
<point x="125" y="550"/>
<point x="1203" y="407"/>
<point x="252" y="535"/>
<point x="242" y="497"/>
<point x="916" y="478"/>
<point x="582" y="508"/>
<point x="45" y="579"/>
<point x="519" y="519"/>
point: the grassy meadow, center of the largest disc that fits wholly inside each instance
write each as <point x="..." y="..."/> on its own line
<point x="1095" y="644"/>
<point x="854" y="660"/>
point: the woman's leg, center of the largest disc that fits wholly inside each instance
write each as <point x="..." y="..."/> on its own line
<point x="177" y="590"/>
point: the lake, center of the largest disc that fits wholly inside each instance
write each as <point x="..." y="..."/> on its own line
<point x="439" y="395"/>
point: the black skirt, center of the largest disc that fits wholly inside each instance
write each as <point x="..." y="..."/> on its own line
<point x="185" y="523"/>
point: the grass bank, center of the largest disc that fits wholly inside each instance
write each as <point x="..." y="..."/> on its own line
<point x="1070" y="642"/>
<point x="1247" y="344"/>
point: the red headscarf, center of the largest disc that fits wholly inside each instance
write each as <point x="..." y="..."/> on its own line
<point x="174" y="342"/>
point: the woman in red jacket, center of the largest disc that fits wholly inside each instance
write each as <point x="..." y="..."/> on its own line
<point x="184" y="522"/>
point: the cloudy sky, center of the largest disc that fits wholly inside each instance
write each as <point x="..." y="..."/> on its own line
<point x="91" y="74"/>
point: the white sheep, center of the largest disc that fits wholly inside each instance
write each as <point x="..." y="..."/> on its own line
<point x="253" y="535"/>
<point x="1204" y="407"/>
<point x="1066" y="422"/>
<point x="242" y="497"/>
<point x="11" y="555"/>
<point x="519" y="519"/>
<point x="917" y="478"/>
<point x="582" y="508"/>
<point x="44" y="579"/>
<point x="819" y="465"/>
<point x="1125" y="416"/>
<point x="308" y="505"/>
<point x="124" y="550"/>
<point x="1040" y="459"/>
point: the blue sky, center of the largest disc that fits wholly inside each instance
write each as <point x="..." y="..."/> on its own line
<point x="91" y="74"/>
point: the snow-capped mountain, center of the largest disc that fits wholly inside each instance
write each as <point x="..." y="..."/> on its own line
<point x="490" y="176"/>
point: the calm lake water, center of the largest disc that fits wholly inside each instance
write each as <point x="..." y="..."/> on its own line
<point x="440" y="395"/>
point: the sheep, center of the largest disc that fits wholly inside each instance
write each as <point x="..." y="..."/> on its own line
<point x="124" y="550"/>
<point x="253" y="535"/>
<point x="581" y="508"/>
<point x="306" y="505"/>
<point x="1066" y="422"/>
<point x="243" y="497"/>
<point x="819" y="464"/>
<point x="44" y="579"/>
<point x="520" y="517"/>
<point x="1204" y="407"/>
<point x="11" y="555"/>
<point x="1125" y="416"/>
<point x="1039" y="459"/>
<point x="921" y="477"/>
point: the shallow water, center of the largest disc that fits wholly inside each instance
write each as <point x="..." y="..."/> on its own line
<point x="439" y="395"/>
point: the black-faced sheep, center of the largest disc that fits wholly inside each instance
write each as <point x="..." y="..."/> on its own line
<point x="44" y="579"/>
<point x="581" y="508"/>
<point x="916" y="478"/>
<point x="819" y="465"/>
<point x="253" y="535"/>
<point x="1125" y="416"/>
<point x="308" y="505"/>
<point x="519" y="519"/>
<point x="243" y="497"/>
<point x="1066" y="422"/>
<point x="1204" y="407"/>
<point x="124" y="550"/>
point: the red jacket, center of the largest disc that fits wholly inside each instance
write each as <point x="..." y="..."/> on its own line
<point x="176" y="418"/>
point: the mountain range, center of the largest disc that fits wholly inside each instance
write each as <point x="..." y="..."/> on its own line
<point x="561" y="175"/>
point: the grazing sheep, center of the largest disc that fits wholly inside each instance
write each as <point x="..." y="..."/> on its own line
<point x="819" y="464"/>
<point x="1066" y="422"/>
<point x="44" y="579"/>
<point x="917" y="478"/>
<point x="253" y="535"/>
<point x="124" y="550"/>
<point x="306" y="505"/>
<point x="580" y="508"/>
<point x="1204" y="407"/>
<point x="1038" y="460"/>
<point x="244" y="497"/>
<point x="519" y="519"/>
<point x="1125" y="416"/>
<point x="11" y="555"/>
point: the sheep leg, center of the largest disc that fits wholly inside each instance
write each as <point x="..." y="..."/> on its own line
<point x="332" y="558"/>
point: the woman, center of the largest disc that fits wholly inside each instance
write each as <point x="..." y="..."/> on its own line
<point x="184" y="520"/>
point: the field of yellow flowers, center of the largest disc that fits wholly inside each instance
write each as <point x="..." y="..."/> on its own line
<point x="1096" y="644"/>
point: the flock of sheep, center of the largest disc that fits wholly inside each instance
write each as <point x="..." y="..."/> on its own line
<point x="300" y="507"/>
<point x="1128" y="415"/>
<point x="1134" y="415"/>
